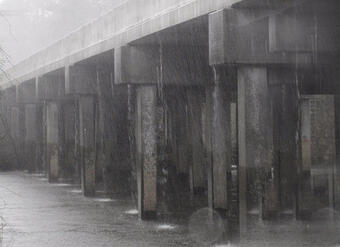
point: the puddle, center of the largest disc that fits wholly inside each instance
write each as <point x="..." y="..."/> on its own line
<point x="165" y="227"/>
<point x="132" y="212"/>
<point x="103" y="200"/>
<point x="62" y="185"/>
<point x="76" y="191"/>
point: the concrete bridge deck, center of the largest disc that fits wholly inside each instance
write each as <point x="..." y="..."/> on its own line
<point x="228" y="105"/>
<point x="130" y="21"/>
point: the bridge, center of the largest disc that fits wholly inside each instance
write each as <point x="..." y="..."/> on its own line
<point x="184" y="104"/>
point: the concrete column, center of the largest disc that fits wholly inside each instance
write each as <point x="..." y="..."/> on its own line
<point x="131" y="105"/>
<point x="87" y="144"/>
<point x="17" y="127"/>
<point x="221" y="138"/>
<point x="33" y="136"/>
<point x="207" y="141"/>
<point x="255" y="141"/>
<point x="52" y="140"/>
<point x="146" y="140"/>
<point x="284" y="98"/>
<point x="194" y="127"/>
<point x="337" y="145"/>
<point x="318" y="152"/>
<point x="69" y="130"/>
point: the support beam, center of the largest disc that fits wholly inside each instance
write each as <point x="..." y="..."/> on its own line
<point x="284" y="100"/>
<point x="81" y="83"/>
<point x="138" y="65"/>
<point x="53" y="140"/>
<point x="17" y="128"/>
<point x="318" y="152"/>
<point x="255" y="143"/>
<point x="221" y="138"/>
<point x="196" y="165"/>
<point x="33" y="137"/>
<point x="242" y="37"/>
<point x="146" y="140"/>
<point x="69" y="117"/>
<point x="337" y="145"/>
<point x="87" y="144"/>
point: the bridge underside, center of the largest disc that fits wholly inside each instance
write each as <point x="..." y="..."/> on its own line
<point x="236" y="110"/>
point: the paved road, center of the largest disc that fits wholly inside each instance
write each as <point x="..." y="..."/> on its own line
<point x="39" y="214"/>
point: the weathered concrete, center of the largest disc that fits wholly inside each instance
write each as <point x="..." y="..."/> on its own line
<point x="337" y="146"/>
<point x="130" y="21"/>
<point x="318" y="151"/>
<point x="69" y="118"/>
<point x="132" y="105"/>
<point x="284" y="100"/>
<point x="33" y="137"/>
<point x="146" y="141"/>
<point x="255" y="142"/>
<point x="53" y="140"/>
<point x="87" y="144"/>
<point x="195" y="99"/>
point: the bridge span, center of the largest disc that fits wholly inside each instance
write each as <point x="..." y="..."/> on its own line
<point x="183" y="104"/>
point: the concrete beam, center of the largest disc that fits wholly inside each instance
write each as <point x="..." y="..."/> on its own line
<point x="284" y="101"/>
<point x="233" y="42"/>
<point x="26" y="92"/>
<point x="53" y="140"/>
<point x="51" y="86"/>
<point x="137" y="64"/>
<point x="255" y="136"/>
<point x="87" y="144"/>
<point x="81" y="79"/>
<point x="221" y="136"/>
<point x="128" y="22"/>
<point x="33" y="137"/>
<point x="16" y="122"/>
<point x="146" y="141"/>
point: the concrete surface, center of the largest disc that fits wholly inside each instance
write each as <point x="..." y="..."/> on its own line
<point x="35" y="213"/>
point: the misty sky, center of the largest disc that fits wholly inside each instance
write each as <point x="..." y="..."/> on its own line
<point x="30" y="25"/>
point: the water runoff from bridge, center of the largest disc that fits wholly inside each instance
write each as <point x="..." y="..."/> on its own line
<point x="178" y="123"/>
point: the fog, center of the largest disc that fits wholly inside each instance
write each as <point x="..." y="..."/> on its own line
<point x="29" y="25"/>
<point x="169" y="123"/>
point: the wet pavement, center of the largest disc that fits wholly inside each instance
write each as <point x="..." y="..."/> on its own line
<point x="35" y="213"/>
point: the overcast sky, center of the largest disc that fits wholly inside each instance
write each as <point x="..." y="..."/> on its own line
<point x="30" y="25"/>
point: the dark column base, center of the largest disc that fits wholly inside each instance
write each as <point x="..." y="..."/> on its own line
<point x="149" y="215"/>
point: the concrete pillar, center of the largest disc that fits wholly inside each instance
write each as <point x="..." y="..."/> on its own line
<point x="17" y="128"/>
<point x="255" y="142"/>
<point x="33" y="137"/>
<point x="69" y="133"/>
<point x="52" y="140"/>
<point x="181" y="130"/>
<point x="337" y="145"/>
<point x="81" y="82"/>
<point x="194" y="127"/>
<point x="318" y="152"/>
<point x="87" y="144"/>
<point x="284" y="98"/>
<point x="132" y="139"/>
<point x="146" y="141"/>
<point x="220" y="138"/>
<point x="138" y="66"/>
<point x="207" y="141"/>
